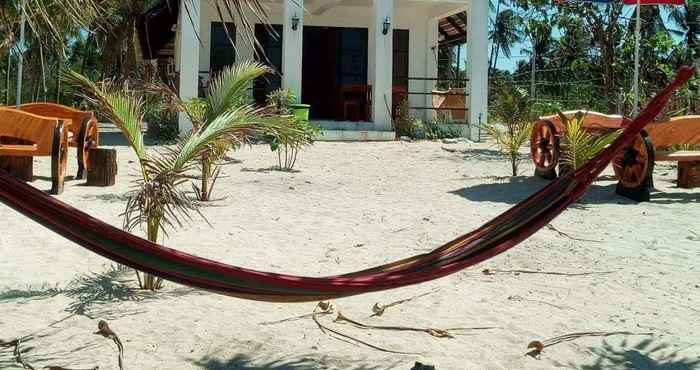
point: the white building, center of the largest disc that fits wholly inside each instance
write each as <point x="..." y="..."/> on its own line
<point x="325" y="48"/>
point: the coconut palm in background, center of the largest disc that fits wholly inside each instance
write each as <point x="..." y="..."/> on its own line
<point x="158" y="201"/>
<point x="687" y="18"/>
<point x="504" y="34"/>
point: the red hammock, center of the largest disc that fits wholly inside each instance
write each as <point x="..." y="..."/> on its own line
<point x="495" y="237"/>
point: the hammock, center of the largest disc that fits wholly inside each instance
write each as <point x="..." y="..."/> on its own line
<point x="495" y="237"/>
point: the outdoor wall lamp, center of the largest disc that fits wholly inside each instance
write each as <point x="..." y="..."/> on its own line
<point x="386" y="26"/>
<point x="295" y="22"/>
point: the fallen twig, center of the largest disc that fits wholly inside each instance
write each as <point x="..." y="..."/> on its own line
<point x="537" y="347"/>
<point x="104" y="330"/>
<point x="379" y="309"/>
<point x="18" y="356"/>
<point x="438" y="333"/>
<point x="496" y="271"/>
<point x="565" y="235"/>
<point x="346" y="338"/>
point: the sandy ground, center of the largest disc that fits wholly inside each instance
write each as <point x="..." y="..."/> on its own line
<point x="351" y="206"/>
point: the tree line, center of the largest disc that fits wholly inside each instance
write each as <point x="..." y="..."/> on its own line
<point x="581" y="54"/>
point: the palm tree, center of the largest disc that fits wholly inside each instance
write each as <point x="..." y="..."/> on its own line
<point x="687" y="17"/>
<point x="504" y="35"/>
<point x="158" y="201"/>
<point x="41" y="18"/>
<point x="511" y="123"/>
<point x="228" y="91"/>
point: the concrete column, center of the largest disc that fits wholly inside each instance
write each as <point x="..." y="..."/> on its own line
<point x="478" y="65"/>
<point x="431" y="64"/>
<point x="382" y="75"/>
<point x="292" y="46"/>
<point x="189" y="56"/>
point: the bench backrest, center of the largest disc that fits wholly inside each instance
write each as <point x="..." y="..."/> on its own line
<point x="62" y="112"/>
<point x="592" y="121"/>
<point x="677" y="130"/>
<point x="26" y="126"/>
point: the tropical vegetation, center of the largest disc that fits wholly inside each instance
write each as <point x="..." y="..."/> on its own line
<point x="158" y="200"/>
<point x="511" y="123"/>
<point x="281" y="102"/>
<point x="579" y="145"/>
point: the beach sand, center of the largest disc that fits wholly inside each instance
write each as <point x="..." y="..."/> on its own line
<point x="348" y="207"/>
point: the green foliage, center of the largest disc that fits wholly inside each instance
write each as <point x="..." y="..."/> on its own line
<point x="404" y="124"/>
<point x="282" y="99"/>
<point x="436" y="130"/>
<point x="578" y="145"/>
<point x="281" y="102"/>
<point x="510" y="124"/>
<point x="157" y="200"/>
<point x="162" y="124"/>
<point x="585" y="54"/>
<point x="227" y="101"/>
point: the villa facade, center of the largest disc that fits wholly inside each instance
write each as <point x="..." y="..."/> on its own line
<point x="328" y="51"/>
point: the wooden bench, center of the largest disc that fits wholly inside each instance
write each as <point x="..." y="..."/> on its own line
<point x="45" y="137"/>
<point x="83" y="132"/>
<point x="678" y="132"/>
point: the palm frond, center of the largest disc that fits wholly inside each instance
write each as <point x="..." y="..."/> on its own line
<point x="119" y="103"/>
<point x="230" y="87"/>
<point x="238" y="125"/>
<point x="579" y="145"/>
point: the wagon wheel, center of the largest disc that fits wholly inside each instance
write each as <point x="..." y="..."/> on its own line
<point x="86" y="140"/>
<point x="59" y="159"/>
<point x="545" y="148"/>
<point x="632" y="163"/>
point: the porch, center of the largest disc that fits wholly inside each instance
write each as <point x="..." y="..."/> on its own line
<point x="351" y="60"/>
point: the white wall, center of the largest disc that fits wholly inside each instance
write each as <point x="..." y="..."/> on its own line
<point x="415" y="16"/>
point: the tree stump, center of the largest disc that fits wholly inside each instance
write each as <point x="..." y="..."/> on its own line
<point x="103" y="167"/>
<point x="689" y="174"/>
<point x="19" y="167"/>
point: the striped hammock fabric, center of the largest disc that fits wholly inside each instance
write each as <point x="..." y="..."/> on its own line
<point x="631" y="2"/>
<point x="495" y="237"/>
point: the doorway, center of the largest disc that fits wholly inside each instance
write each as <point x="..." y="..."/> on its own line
<point x="333" y="57"/>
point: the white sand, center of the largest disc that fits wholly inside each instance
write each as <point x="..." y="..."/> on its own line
<point x="353" y="206"/>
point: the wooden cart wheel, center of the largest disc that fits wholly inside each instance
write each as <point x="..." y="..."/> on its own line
<point x="545" y="148"/>
<point x="59" y="159"/>
<point x="86" y="140"/>
<point x="631" y="164"/>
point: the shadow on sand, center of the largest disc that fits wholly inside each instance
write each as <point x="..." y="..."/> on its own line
<point x="489" y="155"/>
<point x="515" y="189"/>
<point x="244" y="362"/>
<point x="645" y="355"/>
<point x="99" y="295"/>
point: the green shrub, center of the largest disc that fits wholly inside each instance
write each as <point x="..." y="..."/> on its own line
<point x="162" y="125"/>
<point x="288" y="147"/>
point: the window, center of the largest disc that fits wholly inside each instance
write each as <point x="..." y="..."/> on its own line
<point x="223" y="52"/>
<point x="269" y="52"/>
<point x="401" y="57"/>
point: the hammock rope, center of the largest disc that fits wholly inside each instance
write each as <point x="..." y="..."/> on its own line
<point x="495" y="237"/>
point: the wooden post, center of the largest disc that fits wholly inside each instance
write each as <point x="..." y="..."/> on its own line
<point x="103" y="167"/>
<point x="19" y="167"/>
<point x="689" y="174"/>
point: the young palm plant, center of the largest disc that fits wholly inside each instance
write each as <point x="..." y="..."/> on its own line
<point x="157" y="200"/>
<point x="579" y="145"/>
<point x="512" y="123"/>
<point x="228" y="91"/>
